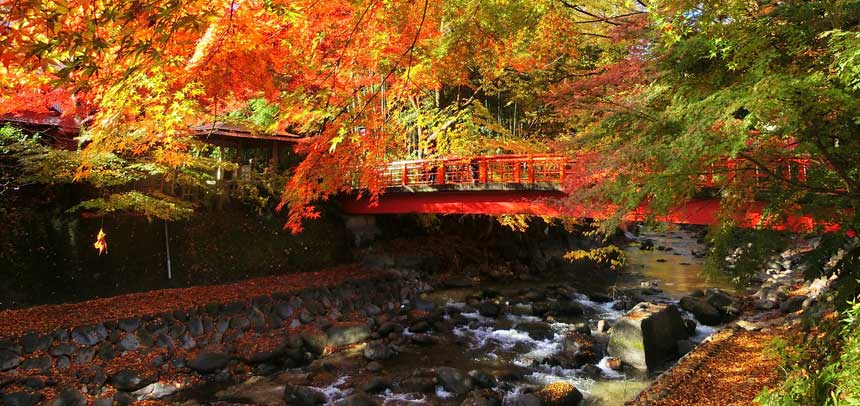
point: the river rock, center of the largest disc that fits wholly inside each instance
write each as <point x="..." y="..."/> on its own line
<point x="21" y="399"/>
<point x="376" y="385"/>
<point x="526" y="399"/>
<point x="482" y="379"/>
<point x="489" y="309"/>
<point x="315" y="341"/>
<point x="389" y="327"/>
<point x="129" y="325"/>
<point x="560" y="394"/>
<point x="303" y="396"/>
<point x="646" y="337"/>
<point x="347" y="333"/>
<point x="360" y="399"/>
<point x="377" y="351"/>
<point x="425" y="340"/>
<point x="537" y="330"/>
<point x="9" y="359"/>
<point x="208" y="361"/>
<point x="577" y="350"/>
<point x="155" y="390"/>
<point x="129" y="342"/>
<point x="130" y="380"/>
<point x="454" y="380"/>
<point x="719" y="299"/>
<point x="63" y="349"/>
<point x="592" y="371"/>
<point x="89" y="335"/>
<point x="32" y="342"/>
<point x="705" y="312"/>
<point x="792" y="305"/>
<point x="417" y="384"/>
<point x="41" y="362"/>
<point x="69" y="397"/>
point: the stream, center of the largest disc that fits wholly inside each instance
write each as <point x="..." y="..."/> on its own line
<point x="511" y="339"/>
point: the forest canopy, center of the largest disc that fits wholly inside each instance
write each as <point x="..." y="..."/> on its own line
<point x="663" y="90"/>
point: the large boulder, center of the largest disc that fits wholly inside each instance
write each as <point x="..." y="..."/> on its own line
<point x="646" y="337"/>
<point x="347" y="333"/>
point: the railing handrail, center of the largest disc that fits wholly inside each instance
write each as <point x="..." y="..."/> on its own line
<point x="537" y="168"/>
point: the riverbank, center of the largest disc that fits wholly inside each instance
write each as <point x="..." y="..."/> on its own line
<point x="735" y="364"/>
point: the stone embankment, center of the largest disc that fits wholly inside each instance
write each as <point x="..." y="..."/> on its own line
<point x="144" y="346"/>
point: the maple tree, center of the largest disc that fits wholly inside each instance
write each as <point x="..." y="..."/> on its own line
<point x="369" y="80"/>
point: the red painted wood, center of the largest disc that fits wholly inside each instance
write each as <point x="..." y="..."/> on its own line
<point x="703" y="212"/>
<point x="553" y="169"/>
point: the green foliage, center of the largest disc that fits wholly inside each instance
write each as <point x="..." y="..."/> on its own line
<point x="821" y="367"/>
<point x="742" y="79"/>
<point x="609" y="256"/>
<point x="158" y="207"/>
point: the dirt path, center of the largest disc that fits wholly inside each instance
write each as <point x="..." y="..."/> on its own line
<point x="729" y="370"/>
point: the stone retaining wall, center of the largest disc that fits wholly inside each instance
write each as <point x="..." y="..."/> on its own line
<point x="118" y="361"/>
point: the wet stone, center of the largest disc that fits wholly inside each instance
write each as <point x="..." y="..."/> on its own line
<point x="537" y="331"/>
<point x="454" y="380"/>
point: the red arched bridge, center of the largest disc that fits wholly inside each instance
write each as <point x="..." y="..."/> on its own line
<point x="539" y="185"/>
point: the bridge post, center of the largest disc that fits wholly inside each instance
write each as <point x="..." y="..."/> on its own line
<point x="561" y="170"/>
<point x="404" y="177"/>
<point x="531" y="169"/>
<point x="440" y="173"/>
<point x="518" y="176"/>
<point x="484" y="171"/>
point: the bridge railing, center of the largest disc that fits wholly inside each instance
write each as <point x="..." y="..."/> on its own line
<point x="554" y="168"/>
<point x="523" y="169"/>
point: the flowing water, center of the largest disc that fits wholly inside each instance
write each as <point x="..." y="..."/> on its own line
<point x="503" y="346"/>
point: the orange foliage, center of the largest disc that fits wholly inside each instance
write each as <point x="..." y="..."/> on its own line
<point x="139" y="74"/>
